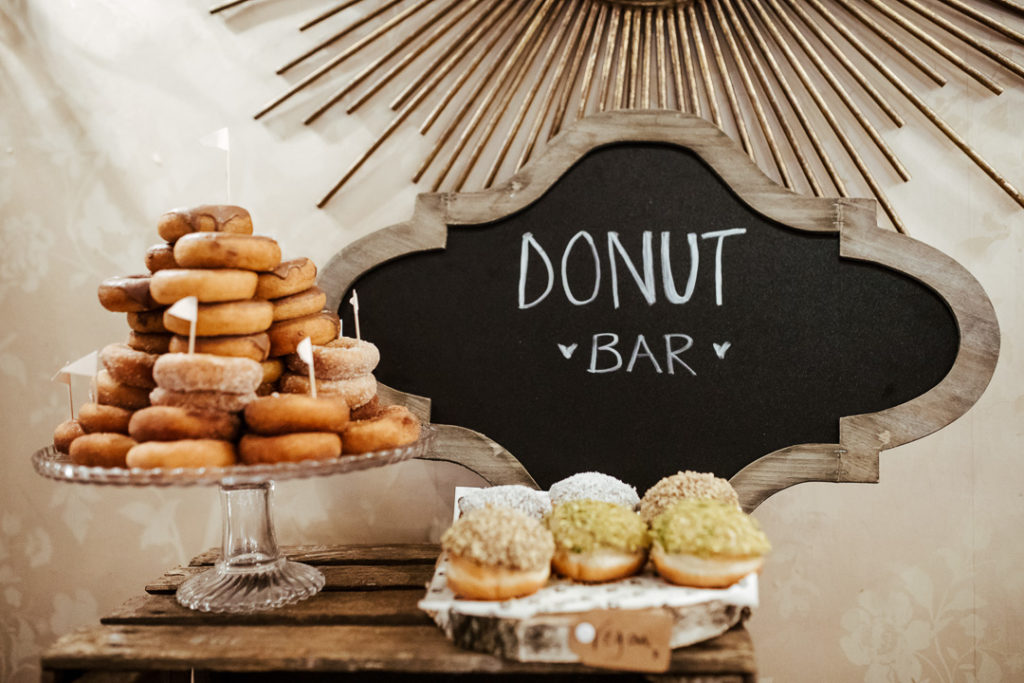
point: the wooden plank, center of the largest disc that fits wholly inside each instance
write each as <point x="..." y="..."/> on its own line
<point x="401" y="553"/>
<point x="408" y="649"/>
<point x="393" y="606"/>
<point x="339" y="578"/>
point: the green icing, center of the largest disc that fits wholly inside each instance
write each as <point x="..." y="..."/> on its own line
<point x="706" y="528"/>
<point x="581" y="526"/>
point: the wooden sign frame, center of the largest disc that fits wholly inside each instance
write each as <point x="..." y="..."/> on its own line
<point x="861" y="437"/>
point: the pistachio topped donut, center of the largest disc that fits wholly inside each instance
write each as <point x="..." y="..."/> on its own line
<point x="597" y="541"/>
<point x="686" y="484"/>
<point x="496" y="553"/>
<point x="706" y="543"/>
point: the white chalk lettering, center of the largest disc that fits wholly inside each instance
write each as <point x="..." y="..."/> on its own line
<point x="646" y="283"/>
<point x="720" y="235"/>
<point x="642" y="343"/>
<point x="668" y="283"/>
<point x="524" y="258"/>
<point x="672" y="352"/>
<point x="609" y="347"/>
<point x="597" y="269"/>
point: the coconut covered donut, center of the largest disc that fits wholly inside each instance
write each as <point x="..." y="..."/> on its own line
<point x="287" y="413"/>
<point x="128" y="366"/>
<point x="101" y="449"/>
<point x="206" y="218"/>
<point x="206" y="284"/>
<point x="706" y="543"/>
<point x="229" y="318"/>
<point x="595" y="486"/>
<point x="126" y="293"/>
<point x="207" y="372"/>
<point x="394" y="426"/>
<point x="686" y="484"/>
<point x="320" y="327"/>
<point x="342" y="358"/>
<point x="96" y="417"/>
<point x="227" y="250"/>
<point x="530" y="502"/>
<point x="497" y="553"/>
<point x="289" y="277"/>
<point x="172" y="423"/>
<point x="597" y="541"/>
<point x="110" y="392"/>
<point x="255" y="346"/>
<point x="254" y="449"/>
<point x="191" y="453"/>
<point x="201" y="400"/>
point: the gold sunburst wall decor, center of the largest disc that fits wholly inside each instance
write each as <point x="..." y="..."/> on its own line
<point x="490" y="81"/>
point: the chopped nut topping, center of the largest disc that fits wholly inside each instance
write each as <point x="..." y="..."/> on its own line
<point x="500" y="536"/>
<point x="688" y="484"/>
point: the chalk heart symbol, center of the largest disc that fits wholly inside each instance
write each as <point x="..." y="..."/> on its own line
<point x="720" y="349"/>
<point x="567" y="351"/>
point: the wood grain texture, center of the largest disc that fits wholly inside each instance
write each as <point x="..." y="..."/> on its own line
<point x="862" y="437"/>
<point x="338" y="578"/>
<point x="392" y="554"/>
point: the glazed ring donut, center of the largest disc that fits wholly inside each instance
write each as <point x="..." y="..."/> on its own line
<point x="285" y="335"/>
<point x="206" y="218"/>
<point x="201" y="400"/>
<point x="154" y="342"/>
<point x="288" y="413"/>
<point x="65" y="434"/>
<point x="109" y="392"/>
<point x="231" y="317"/>
<point x="206" y="284"/>
<point x="171" y="423"/>
<point x="148" y="322"/>
<point x="160" y="257"/>
<point x="342" y="358"/>
<point x="101" y="449"/>
<point x="356" y="392"/>
<point x="128" y="366"/>
<point x="254" y="346"/>
<point x="207" y="372"/>
<point x="226" y="250"/>
<point x="182" y="453"/>
<point x="272" y="370"/>
<point x="255" y="450"/>
<point x="290" y="277"/>
<point x="96" y="417"/>
<point x="126" y="293"/>
<point x="306" y="302"/>
<point x="394" y="426"/>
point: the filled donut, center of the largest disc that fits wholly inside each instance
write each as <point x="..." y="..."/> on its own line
<point x="594" y="486"/>
<point x="596" y="541"/>
<point x="686" y="484"/>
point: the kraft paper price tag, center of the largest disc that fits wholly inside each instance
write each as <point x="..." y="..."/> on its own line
<point x="631" y="640"/>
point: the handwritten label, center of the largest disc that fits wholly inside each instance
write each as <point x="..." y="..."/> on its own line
<point x="628" y="640"/>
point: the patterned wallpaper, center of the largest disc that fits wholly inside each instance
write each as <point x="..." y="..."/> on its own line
<point x="103" y="104"/>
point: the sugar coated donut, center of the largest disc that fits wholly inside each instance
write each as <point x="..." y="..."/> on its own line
<point x="101" y="449"/>
<point x="395" y="426"/>
<point x="706" y="543"/>
<point x="126" y="293"/>
<point x="289" y="277"/>
<point x="191" y="453"/>
<point x="110" y="392"/>
<point x="595" y="486"/>
<point x="65" y="433"/>
<point x="206" y="218"/>
<point x="254" y="449"/>
<point x="306" y="302"/>
<point x="148" y="322"/>
<point x="342" y="358"/>
<point x="226" y="250"/>
<point x="285" y="335"/>
<point x="207" y="372"/>
<point x="160" y="257"/>
<point x="206" y="284"/>
<point x="355" y="391"/>
<point x="171" y="423"/>
<point x="229" y="318"/>
<point x="150" y="343"/>
<point x="497" y="553"/>
<point x="96" y="417"/>
<point x="128" y="366"/>
<point x="287" y="413"/>
<point x="530" y="502"/>
<point x="254" y="346"/>
<point x="597" y="541"/>
<point x="201" y="400"/>
<point x="686" y="484"/>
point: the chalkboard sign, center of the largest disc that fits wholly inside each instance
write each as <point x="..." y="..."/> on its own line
<point x="641" y="316"/>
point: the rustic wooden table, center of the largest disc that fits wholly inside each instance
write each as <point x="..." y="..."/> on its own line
<point x="365" y="625"/>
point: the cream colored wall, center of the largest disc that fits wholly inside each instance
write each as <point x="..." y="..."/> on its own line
<point x="102" y="105"/>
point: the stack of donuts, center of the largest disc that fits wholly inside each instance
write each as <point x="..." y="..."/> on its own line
<point x="160" y="403"/>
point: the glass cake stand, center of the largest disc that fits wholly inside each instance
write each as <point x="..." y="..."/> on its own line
<point x="251" y="574"/>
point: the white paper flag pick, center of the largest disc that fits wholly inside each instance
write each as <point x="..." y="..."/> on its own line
<point x="221" y="139"/>
<point x="354" y="300"/>
<point x="85" y="366"/>
<point x="187" y="308"/>
<point x="305" y="351"/>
